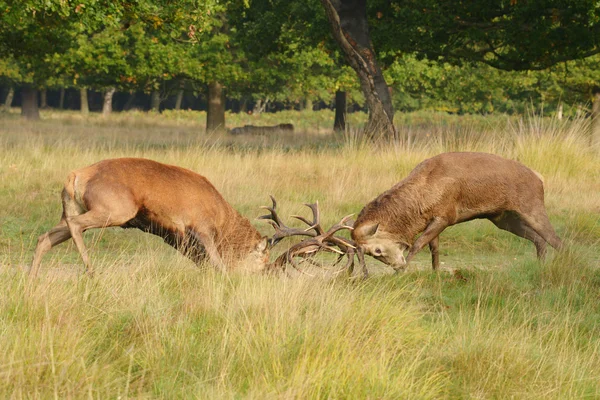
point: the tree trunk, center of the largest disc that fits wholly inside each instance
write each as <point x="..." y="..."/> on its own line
<point x="29" y="103"/>
<point x="179" y="99"/>
<point x="155" y="101"/>
<point x="308" y="104"/>
<point x="9" y="99"/>
<point x="339" y="124"/>
<point x="84" y="105"/>
<point x="107" y="105"/>
<point x="348" y="20"/>
<point x="61" y="101"/>
<point x="215" y="117"/>
<point x="44" y="99"/>
<point x="243" y="106"/>
<point x="595" y="138"/>
<point x="129" y="102"/>
<point x="559" y="111"/>
<point x="257" y="107"/>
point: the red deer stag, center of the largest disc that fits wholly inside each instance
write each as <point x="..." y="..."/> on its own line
<point x="179" y="205"/>
<point x="448" y="189"/>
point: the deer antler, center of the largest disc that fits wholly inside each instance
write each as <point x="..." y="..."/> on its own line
<point x="316" y="222"/>
<point x="281" y="230"/>
<point x="319" y="239"/>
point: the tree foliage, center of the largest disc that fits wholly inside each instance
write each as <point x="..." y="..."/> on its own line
<point x="509" y="35"/>
<point x="455" y="56"/>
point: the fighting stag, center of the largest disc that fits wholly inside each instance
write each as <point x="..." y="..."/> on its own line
<point x="177" y="204"/>
<point x="318" y="239"/>
<point x="449" y="189"/>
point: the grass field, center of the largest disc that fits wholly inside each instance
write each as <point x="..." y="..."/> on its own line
<point x="493" y="323"/>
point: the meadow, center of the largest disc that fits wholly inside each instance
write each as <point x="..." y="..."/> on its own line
<point x="492" y="323"/>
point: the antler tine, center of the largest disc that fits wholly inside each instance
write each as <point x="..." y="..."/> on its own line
<point x="328" y="237"/>
<point x="306" y="221"/>
<point x="316" y="222"/>
<point x="340" y="225"/>
<point x="281" y="230"/>
<point x="273" y="214"/>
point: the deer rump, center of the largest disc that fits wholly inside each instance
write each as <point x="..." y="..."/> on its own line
<point x="449" y="189"/>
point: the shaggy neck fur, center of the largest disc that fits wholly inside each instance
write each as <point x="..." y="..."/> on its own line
<point x="237" y="238"/>
<point x="404" y="210"/>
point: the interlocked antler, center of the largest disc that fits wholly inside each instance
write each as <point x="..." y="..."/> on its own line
<point x="319" y="239"/>
<point x="281" y="230"/>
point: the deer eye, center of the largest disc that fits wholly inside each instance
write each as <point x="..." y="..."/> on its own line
<point x="377" y="251"/>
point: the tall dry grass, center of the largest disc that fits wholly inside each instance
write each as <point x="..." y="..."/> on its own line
<point x="495" y="323"/>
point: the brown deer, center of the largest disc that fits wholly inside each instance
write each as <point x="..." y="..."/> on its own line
<point x="177" y="204"/>
<point x="262" y="130"/>
<point x="448" y="189"/>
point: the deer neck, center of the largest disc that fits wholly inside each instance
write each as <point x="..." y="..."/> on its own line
<point x="399" y="212"/>
<point x="237" y="238"/>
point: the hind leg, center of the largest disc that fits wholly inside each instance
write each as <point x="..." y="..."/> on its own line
<point x="93" y="219"/>
<point x="511" y="222"/>
<point x="108" y="205"/>
<point x="540" y="223"/>
<point x="53" y="237"/>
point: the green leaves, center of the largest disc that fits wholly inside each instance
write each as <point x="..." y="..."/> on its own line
<point x="511" y="35"/>
<point x="282" y="50"/>
<point x="99" y="43"/>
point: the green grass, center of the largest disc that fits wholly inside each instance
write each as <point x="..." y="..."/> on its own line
<point x="493" y="323"/>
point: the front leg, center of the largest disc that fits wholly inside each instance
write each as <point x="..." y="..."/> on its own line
<point x="209" y="248"/>
<point x="214" y="256"/>
<point x="435" y="227"/>
<point x="361" y="259"/>
<point x="435" y="255"/>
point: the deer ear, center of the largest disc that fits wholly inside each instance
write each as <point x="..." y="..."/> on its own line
<point x="367" y="230"/>
<point x="373" y="230"/>
<point x="262" y="245"/>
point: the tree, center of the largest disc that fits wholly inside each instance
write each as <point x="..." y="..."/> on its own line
<point x="575" y="82"/>
<point x="9" y="75"/>
<point x="289" y="54"/>
<point x="218" y="57"/>
<point x="100" y="44"/>
<point x="215" y="116"/>
<point x="32" y="31"/>
<point x="508" y="35"/>
<point x="339" y="123"/>
<point x="466" y="88"/>
<point x="348" y="20"/>
<point x="96" y="60"/>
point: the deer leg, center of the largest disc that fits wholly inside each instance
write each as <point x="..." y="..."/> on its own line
<point x="187" y="243"/>
<point x="90" y="220"/>
<point x="540" y="223"/>
<point x="53" y="237"/>
<point x="435" y="255"/>
<point x="361" y="260"/>
<point x="214" y="257"/>
<point x="432" y="231"/>
<point x="210" y="248"/>
<point x="510" y="221"/>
